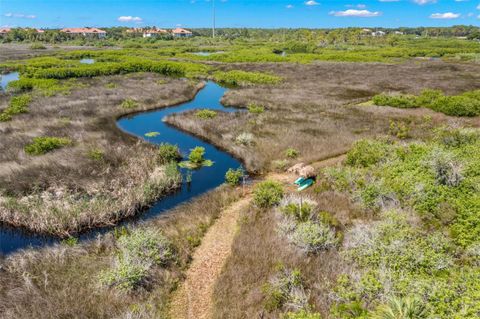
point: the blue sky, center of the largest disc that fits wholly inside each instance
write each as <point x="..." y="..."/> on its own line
<point x="238" y="13"/>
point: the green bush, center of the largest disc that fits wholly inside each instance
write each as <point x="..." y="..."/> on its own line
<point x="96" y="154"/>
<point x="45" y="144"/>
<point x="168" y="153"/>
<point x="196" y="155"/>
<point x="233" y="177"/>
<point x="138" y="252"/>
<point x="17" y="105"/>
<point x="365" y="153"/>
<point x="299" y="211"/>
<point x="255" y="108"/>
<point x="267" y="193"/>
<point x="400" y="101"/>
<point x="128" y="103"/>
<point x="292" y="153"/>
<point x="313" y="237"/>
<point x="206" y="114"/>
<point x="399" y="129"/>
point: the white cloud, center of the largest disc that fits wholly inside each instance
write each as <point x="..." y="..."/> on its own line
<point x="422" y="2"/>
<point x="289" y="6"/>
<point x="446" y="15"/>
<point x="356" y="13"/>
<point x="20" y="15"/>
<point x="478" y="7"/>
<point x="311" y="3"/>
<point x="129" y="19"/>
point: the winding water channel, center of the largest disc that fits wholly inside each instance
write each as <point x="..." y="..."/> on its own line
<point x="202" y="180"/>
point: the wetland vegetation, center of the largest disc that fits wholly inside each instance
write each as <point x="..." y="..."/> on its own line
<point x="390" y="225"/>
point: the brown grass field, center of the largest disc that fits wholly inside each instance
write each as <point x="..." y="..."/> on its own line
<point x="314" y="110"/>
<point x="87" y="116"/>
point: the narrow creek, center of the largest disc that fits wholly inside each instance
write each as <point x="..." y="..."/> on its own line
<point x="202" y="180"/>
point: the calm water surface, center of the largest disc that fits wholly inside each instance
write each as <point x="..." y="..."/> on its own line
<point x="7" y="78"/>
<point x="203" y="180"/>
<point x="87" y="61"/>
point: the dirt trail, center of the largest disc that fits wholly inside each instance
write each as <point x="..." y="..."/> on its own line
<point x="193" y="300"/>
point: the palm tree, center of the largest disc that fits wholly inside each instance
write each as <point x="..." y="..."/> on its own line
<point x="401" y="308"/>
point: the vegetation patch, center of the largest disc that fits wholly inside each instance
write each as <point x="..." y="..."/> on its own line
<point x="129" y="104"/>
<point x="255" y="108"/>
<point x="233" y="177"/>
<point x="466" y="104"/>
<point x="152" y="134"/>
<point x="17" y="105"/>
<point x="138" y="252"/>
<point x="47" y="87"/>
<point x="168" y="153"/>
<point x="304" y="226"/>
<point x="196" y="159"/>
<point x="206" y="114"/>
<point x="45" y="144"/>
<point x="426" y="199"/>
<point x="267" y="193"/>
<point x="237" y="77"/>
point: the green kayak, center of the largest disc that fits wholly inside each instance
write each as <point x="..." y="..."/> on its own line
<point x="305" y="184"/>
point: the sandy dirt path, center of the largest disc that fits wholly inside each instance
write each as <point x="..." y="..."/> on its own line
<point x="193" y="300"/>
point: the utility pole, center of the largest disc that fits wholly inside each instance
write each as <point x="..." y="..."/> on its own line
<point x="213" y="29"/>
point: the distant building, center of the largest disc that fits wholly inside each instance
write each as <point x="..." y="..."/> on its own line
<point x="181" y="33"/>
<point x="4" y="31"/>
<point x="378" y="34"/>
<point x="152" y="33"/>
<point x="86" y="32"/>
<point x="398" y="33"/>
<point x="366" y="30"/>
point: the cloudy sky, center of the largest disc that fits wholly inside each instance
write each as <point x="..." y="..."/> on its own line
<point x="239" y="13"/>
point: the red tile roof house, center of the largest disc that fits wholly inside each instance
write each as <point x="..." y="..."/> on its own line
<point x="181" y="33"/>
<point x="86" y="32"/>
<point x="4" y="31"/>
<point x="154" y="33"/>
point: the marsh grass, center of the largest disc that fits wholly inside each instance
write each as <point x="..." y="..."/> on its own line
<point x="101" y="178"/>
<point x="63" y="280"/>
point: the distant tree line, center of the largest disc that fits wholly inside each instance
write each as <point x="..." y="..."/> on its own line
<point x="317" y="36"/>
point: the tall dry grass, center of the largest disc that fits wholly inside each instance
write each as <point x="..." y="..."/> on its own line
<point x="63" y="281"/>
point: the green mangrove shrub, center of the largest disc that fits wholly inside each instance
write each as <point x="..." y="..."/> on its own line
<point x="365" y="153"/>
<point x="168" y="153"/>
<point x="466" y="104"/>
<point x="196" y="155"/>
<point x="237" y="77"/>
<point x="233" y="177"/>
<point x="129" y="103"/>
<point x="17" y="105"/>
<point x="292" y="153"/>
<point x="45" y="144"/>
<point x="267" y="193"/>
<point x="206" y="114"/>
<point x="255" y="108"/>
